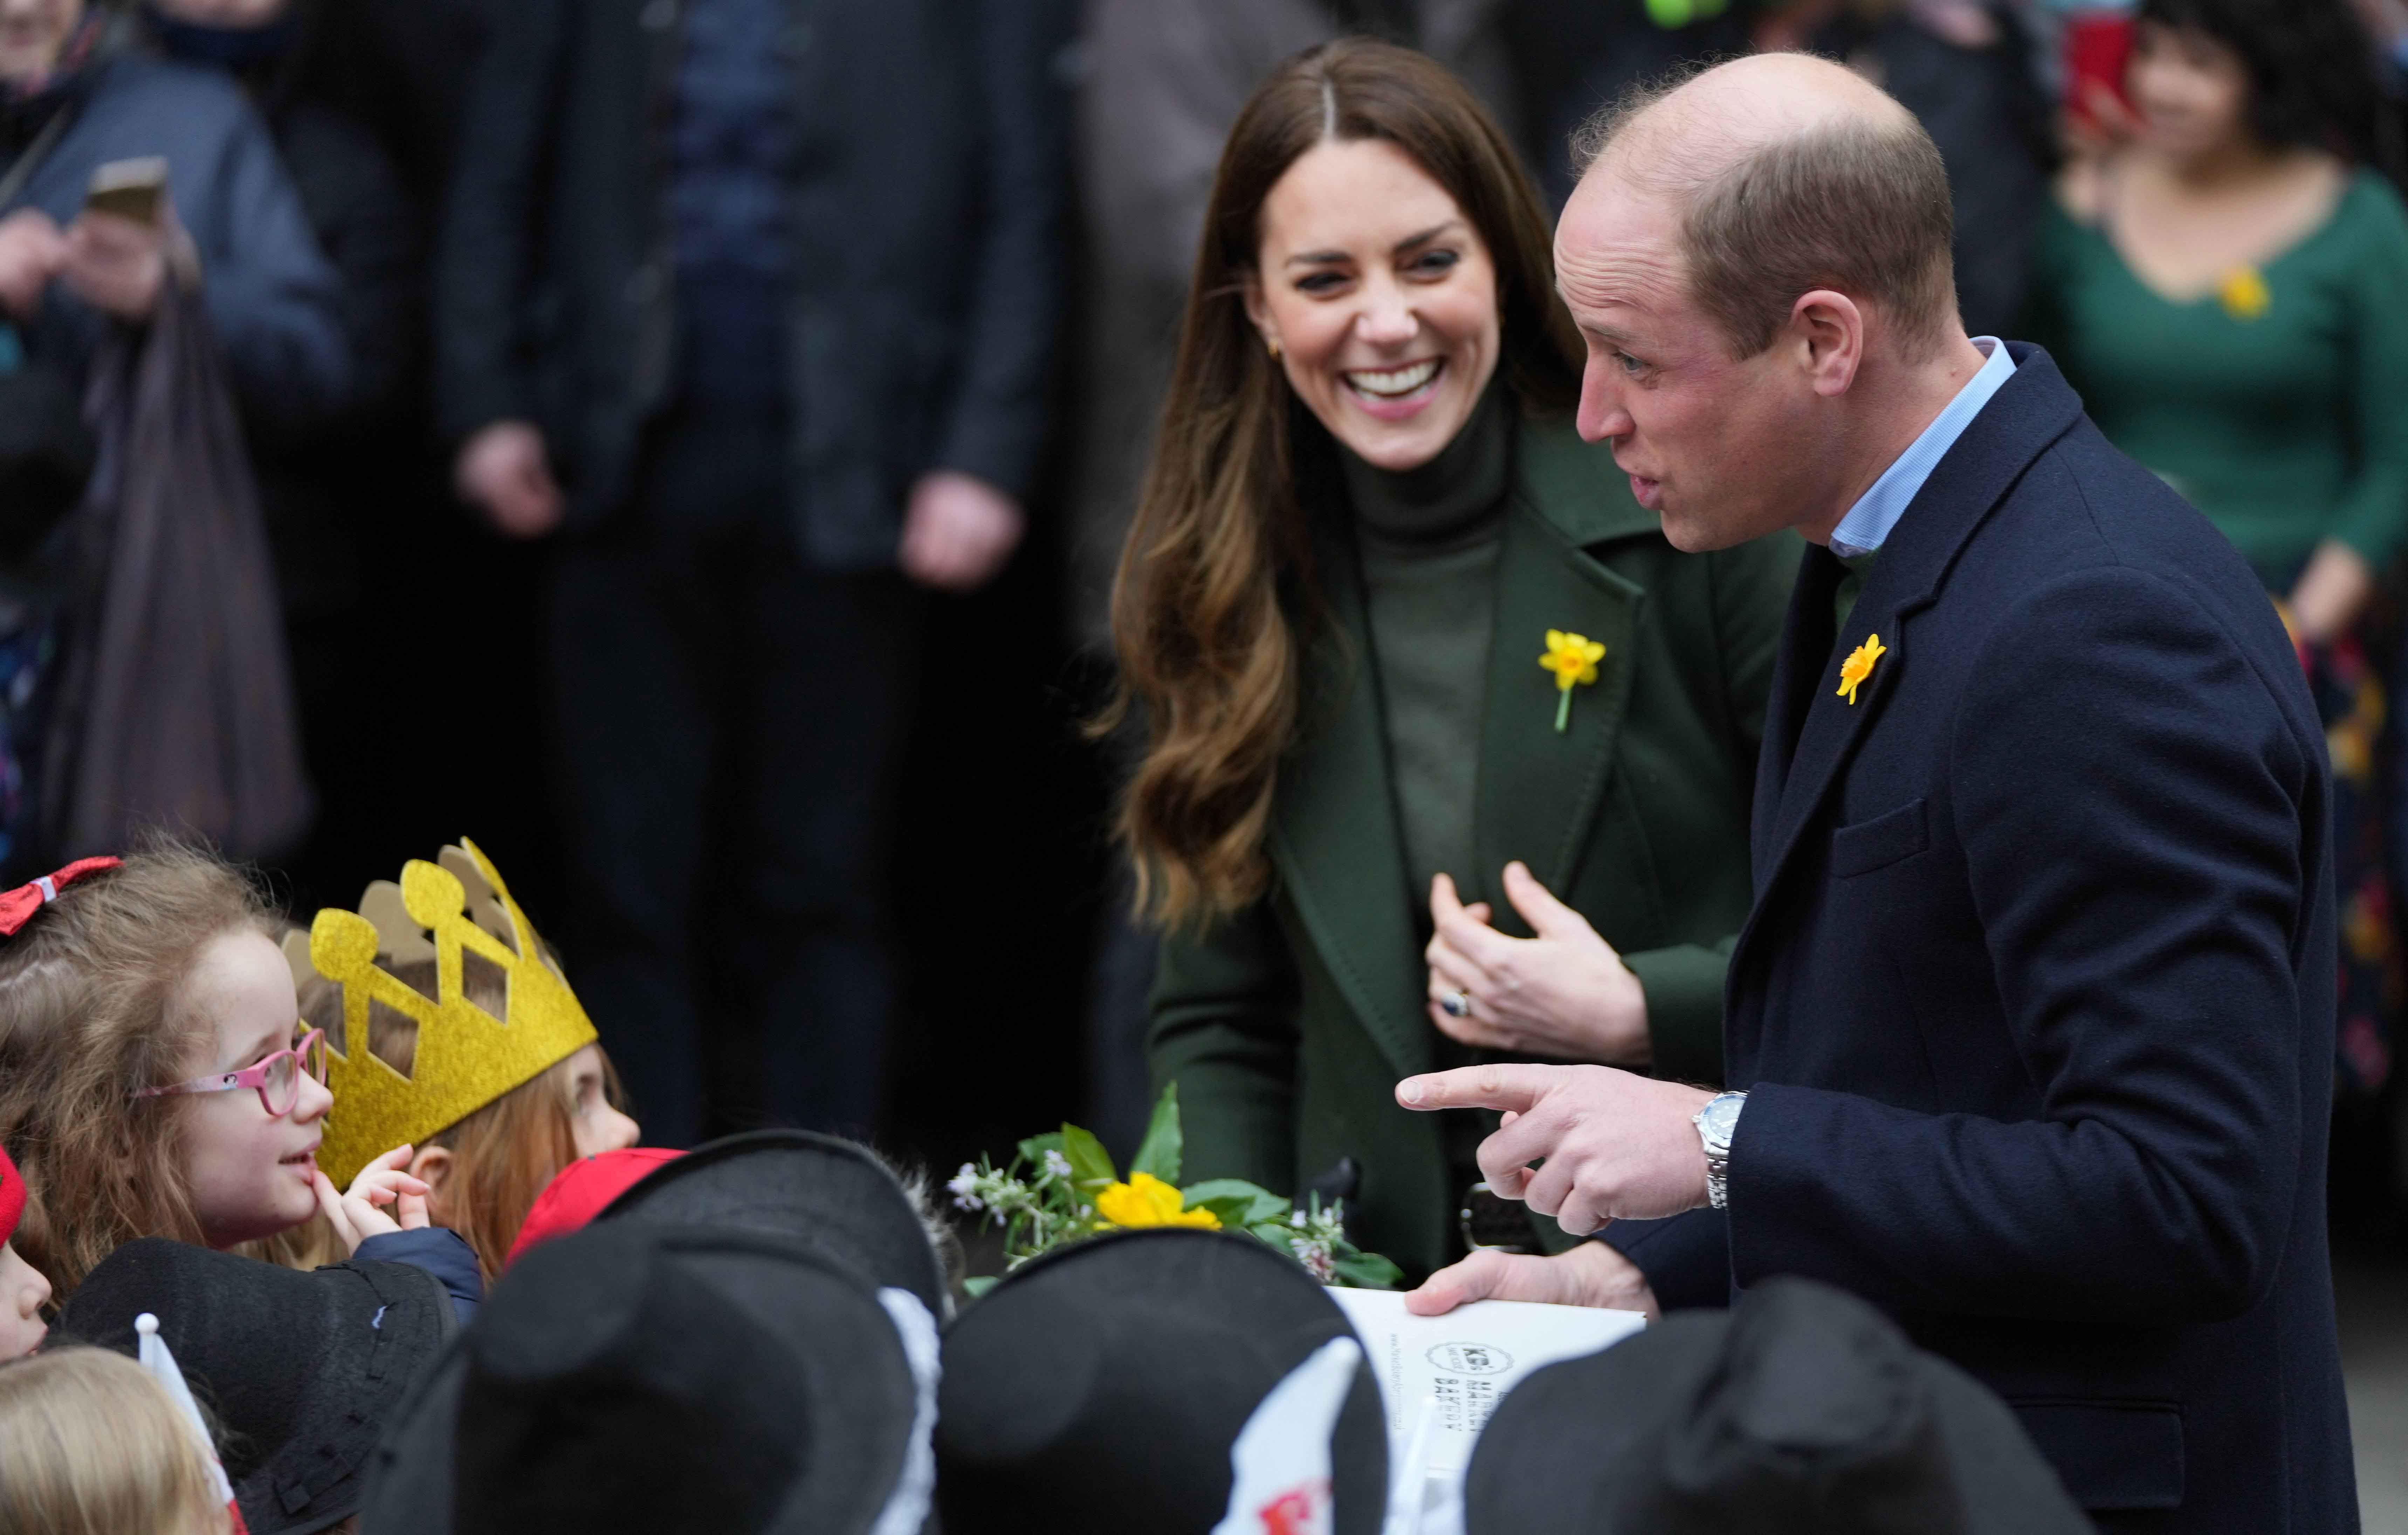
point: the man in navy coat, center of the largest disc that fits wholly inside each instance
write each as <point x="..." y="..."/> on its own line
<point x="2029" y="1034"/>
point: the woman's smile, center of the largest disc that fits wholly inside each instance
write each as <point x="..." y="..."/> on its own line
<point x="1393" y="394"/>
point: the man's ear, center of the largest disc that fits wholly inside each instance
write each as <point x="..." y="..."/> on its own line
<point x="1829" y="330"/>
<point x="434" y="1165"/>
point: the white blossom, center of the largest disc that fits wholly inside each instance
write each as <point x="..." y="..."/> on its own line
<point x="963" y="1187"/>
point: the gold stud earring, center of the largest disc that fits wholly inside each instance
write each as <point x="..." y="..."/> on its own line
<point x="1272" y="342"/>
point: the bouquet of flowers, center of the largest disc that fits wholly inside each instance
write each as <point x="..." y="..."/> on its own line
<point x="1062" y="1189"/>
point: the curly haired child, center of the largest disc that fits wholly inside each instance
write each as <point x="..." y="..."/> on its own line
<point x="154" y="1079"/>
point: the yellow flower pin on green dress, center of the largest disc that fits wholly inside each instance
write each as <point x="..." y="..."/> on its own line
<point x="1573" y="658"/>
<point x="1860" y="666"/>
<point x="2245" y="294"/>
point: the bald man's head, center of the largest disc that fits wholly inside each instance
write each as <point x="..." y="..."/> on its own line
<point x="1785" y="174"/>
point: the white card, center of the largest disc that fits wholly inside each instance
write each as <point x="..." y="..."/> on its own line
<point x="1468" y="1359"/>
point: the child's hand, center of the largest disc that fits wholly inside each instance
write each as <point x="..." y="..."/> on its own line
<point x="355" y="1215"/>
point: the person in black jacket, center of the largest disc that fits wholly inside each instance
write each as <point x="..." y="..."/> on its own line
<point x="752" y="302"/>
<point x="333" y="472"/>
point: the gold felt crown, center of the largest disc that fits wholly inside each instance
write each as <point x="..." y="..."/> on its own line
<point x="457" y="913"/>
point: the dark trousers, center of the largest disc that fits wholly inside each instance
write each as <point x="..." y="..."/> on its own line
<point x="729" y="718"/>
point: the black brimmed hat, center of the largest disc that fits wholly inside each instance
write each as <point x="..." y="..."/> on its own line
<point x="301" y="1370"/>
<point x="665" y="1380"/>
<point x="1099" y="1389"/>
<point x="828" y="1192"/>
<point x="1801" y="1410"/>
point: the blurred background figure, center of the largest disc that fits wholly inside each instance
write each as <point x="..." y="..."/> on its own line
<point x="2227" y="284"/>
<point x="1969" y="71"/>
<point x="327" y="468"/>
<point x="79" y="92"/>
<point x="757" y="313"/>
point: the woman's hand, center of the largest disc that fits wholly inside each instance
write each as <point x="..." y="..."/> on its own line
<point x="118" y="266"/>
<point x="1563" y="993"/>
<point x="1590" y="1274"/>
<point x="355" y="1215"/>
<point x="31" y="252"/>
<point x="2332" y="592"/>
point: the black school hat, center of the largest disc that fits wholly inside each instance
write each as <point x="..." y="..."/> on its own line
<point x="831" y="1193"/>
<point x="668" y="1380"/>
<point x="1801" y="1410"/>
<point x="302" y="1370"/>
<point x="1099" y="1389"/>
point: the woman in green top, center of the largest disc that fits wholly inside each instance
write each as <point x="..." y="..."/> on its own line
<point x="2230" y="297"/>
<point x="1384" y="834"/>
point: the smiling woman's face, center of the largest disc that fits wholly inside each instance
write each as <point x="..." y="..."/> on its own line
<point x="1381" y="299"/>
<point x="32" y="32"/>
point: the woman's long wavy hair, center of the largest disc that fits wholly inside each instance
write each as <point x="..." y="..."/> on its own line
<point x="1215" y="599"/>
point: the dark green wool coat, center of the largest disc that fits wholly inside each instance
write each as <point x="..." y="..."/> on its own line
<point x="1287" y="1025"/>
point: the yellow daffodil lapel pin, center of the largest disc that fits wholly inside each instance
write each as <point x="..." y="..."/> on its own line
<point x="1860" y="666"/>
<point x="1573" y="658"/>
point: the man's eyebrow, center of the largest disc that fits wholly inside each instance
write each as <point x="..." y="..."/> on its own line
<point x="1326" y="258"/>
<point x="1605" y="332"/>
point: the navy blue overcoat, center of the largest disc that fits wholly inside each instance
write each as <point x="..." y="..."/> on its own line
<point x="2035" y="1007"/>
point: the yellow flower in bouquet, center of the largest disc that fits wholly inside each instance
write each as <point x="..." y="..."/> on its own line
<point x="1147" y="1201"/>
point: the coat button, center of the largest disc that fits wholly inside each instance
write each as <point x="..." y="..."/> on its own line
<point x="658" y="15"/>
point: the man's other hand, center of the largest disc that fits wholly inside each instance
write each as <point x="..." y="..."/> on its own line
<point x="1590" y="1274"/>
<point x="504" y="472"/>
<point x="958" y="531"/>
<point x="1615" y="1145"/>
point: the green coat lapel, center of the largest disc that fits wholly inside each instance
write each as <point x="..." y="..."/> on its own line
<point x="1540" y="790"/>
<point x="1335" y="841"/>
<point x="1333" y="836"/>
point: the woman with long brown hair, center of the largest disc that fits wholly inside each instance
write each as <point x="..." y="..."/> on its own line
<point x="1448" y="752"/>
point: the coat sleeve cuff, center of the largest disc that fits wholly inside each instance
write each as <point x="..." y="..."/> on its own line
<point x="1687" y="1258"/>
<point x="1685" y="1010"/>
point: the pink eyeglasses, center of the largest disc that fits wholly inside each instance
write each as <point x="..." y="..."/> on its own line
<point x="278" y="1078"/>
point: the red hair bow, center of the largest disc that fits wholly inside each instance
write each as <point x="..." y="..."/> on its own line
<point x="18" y="906"/>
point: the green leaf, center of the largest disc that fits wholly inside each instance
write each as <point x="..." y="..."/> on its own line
<point x="1036" y="1146"/>
<point x="979" y="1286"/>
<point x="1367" y="1272"/>
<point x="1163" y="1146"/>
<point x="1091" y="1165"/>
<point x="1252" y="1203"/>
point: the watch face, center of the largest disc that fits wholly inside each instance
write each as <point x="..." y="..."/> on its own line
<point x="1722" y="1117"/>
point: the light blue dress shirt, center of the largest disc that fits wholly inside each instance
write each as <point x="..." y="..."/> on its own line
<point x="1868" y="523"/>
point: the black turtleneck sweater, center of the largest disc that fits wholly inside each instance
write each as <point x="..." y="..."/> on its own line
<point x="1428" y="540"/>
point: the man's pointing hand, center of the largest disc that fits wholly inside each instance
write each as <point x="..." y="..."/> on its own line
<point x="1613" y="1145"/>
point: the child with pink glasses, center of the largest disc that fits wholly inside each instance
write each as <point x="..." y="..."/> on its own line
<point x="156" y="1082"/>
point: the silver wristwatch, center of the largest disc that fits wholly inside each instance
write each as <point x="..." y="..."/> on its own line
<point x="1717" y="1122"/>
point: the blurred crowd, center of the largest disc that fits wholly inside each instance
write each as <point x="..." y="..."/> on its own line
<point x="699" y="436"/>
